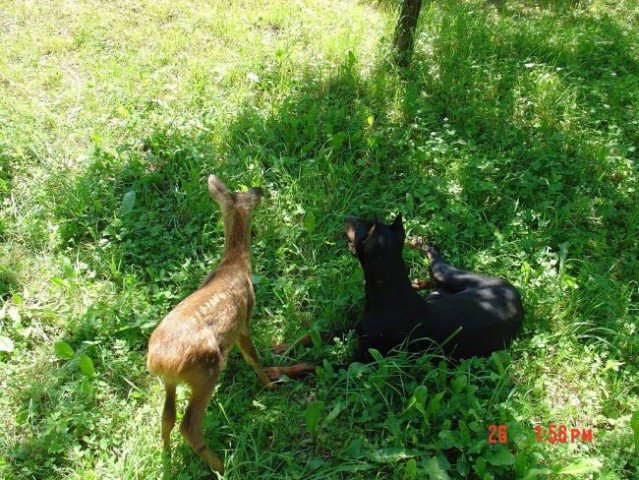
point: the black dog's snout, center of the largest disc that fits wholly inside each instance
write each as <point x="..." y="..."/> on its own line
<point x="350" y="224"/>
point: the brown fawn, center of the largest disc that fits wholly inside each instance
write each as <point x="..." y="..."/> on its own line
<point x="193" y="341"/>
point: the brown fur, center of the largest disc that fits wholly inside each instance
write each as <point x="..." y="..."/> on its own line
<point x="193" y="341"/>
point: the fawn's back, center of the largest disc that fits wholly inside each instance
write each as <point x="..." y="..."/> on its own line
<point x="202" y="329"/>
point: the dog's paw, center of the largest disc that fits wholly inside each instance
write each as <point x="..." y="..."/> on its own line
<point x="419" y="284"/>
<point x="298" y="371"/>
<point x="273" y="374"/>
<point x="279" y="348"/>
<point x="294" y="371"/>
<point x="417" y="240"/>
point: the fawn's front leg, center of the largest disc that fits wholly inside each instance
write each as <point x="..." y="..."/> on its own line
<point x="245" y="344"/>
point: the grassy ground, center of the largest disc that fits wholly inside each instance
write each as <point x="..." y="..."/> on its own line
<point x="511" y="142"/>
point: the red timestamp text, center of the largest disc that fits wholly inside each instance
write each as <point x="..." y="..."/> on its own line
<point x="551" y="434"/>
<point x="562" y="434"/>
<point x="497" y="434"/>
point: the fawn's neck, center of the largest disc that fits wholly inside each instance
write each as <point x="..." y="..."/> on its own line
<point x="237" y="237"/>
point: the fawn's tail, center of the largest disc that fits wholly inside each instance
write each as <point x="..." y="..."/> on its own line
<point x="168" y="414"/>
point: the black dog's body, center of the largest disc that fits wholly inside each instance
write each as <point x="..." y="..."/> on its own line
<point x="468" y="314"/>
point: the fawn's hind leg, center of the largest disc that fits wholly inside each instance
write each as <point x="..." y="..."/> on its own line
<point x="168" y="415"/>
<point x="191" y="427"/>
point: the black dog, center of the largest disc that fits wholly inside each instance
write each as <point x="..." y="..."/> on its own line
<point x="467" y="315"/>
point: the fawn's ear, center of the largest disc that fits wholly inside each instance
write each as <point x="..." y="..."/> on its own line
<point x="255" y="194"/>
<point x="398" y="229"/>
<point x="218" y="190"/>
<point x="349" y="227"/>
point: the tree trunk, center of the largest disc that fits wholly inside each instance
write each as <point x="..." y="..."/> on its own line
<point x="405" y="30"/>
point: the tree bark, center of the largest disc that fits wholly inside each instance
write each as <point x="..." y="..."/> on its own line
<point x="405" y="30"/>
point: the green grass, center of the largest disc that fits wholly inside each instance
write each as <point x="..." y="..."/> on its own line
<point x="511" y="142"/>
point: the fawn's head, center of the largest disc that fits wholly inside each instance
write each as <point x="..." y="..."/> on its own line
<point x="236" y="211"/>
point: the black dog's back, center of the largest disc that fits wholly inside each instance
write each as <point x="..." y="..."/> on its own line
<point x="487" y="311"/>
<point x="473" y="322"/>
<point x="476" y="321"/>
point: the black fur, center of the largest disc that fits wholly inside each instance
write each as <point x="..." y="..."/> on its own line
<point x="469" y="314"/>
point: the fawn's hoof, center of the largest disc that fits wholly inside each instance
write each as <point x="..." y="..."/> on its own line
<point x="214" y="461"/>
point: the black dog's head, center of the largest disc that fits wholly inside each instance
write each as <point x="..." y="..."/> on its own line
<point x="374" y="239"/>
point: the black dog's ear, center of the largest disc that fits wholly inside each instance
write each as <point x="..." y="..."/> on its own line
<point x="398" y="229"/>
